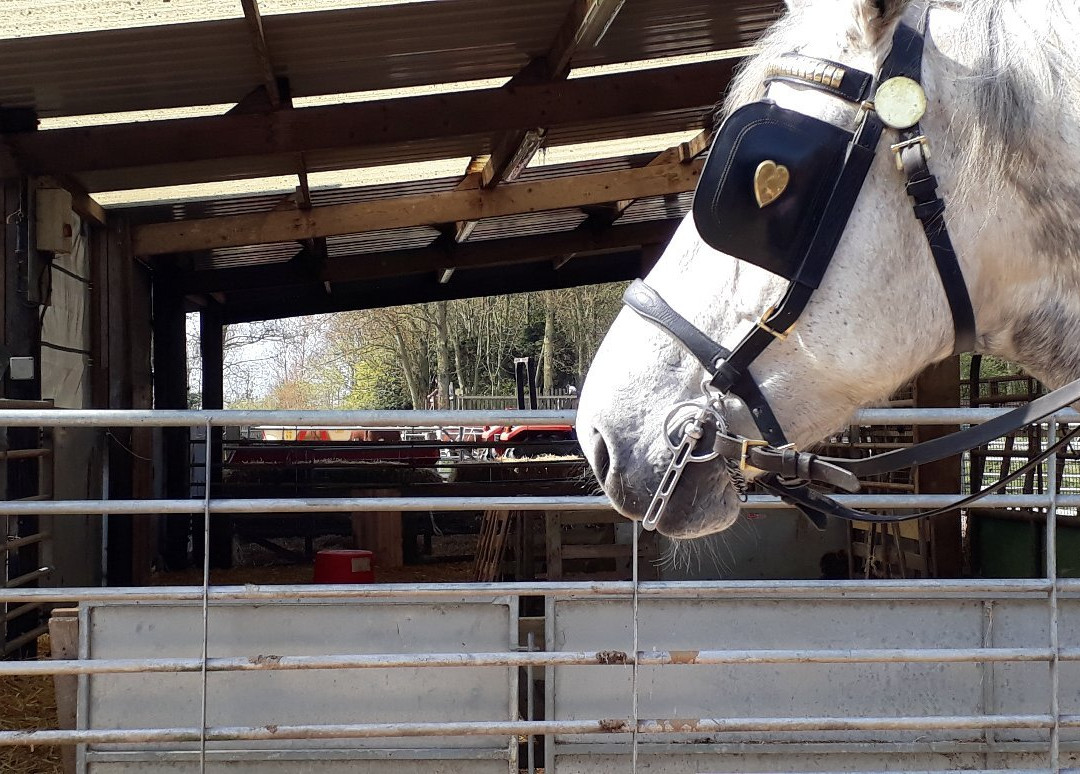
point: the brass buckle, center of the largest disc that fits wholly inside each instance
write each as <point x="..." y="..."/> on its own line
<point x="900" y="146"/>
<point x="780" y="335"/>
<point x="747" y="445"/>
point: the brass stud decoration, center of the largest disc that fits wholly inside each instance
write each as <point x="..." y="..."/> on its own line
<point x="770" y="182"/>
<point x="900" y="102"/>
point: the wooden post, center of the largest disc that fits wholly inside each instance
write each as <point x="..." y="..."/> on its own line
<point x="939" y="387"/>
<point x="64" y="639"/>
<point x="212" y="342"/>
<point x="140" y="343"/>
<point x="379" y="531"/>
<point x="122" y="342"/>
<point x="171" y="392"/>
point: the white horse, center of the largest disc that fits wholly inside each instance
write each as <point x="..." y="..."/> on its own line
<point x="1003" y="84"/>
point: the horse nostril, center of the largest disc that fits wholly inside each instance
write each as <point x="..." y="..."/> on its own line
<point x="601" y="457"/>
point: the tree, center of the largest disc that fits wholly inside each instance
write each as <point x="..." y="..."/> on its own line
<point x="393" y="358"/>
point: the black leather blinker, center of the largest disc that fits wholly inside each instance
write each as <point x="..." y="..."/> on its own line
<point x="776" y="235"/>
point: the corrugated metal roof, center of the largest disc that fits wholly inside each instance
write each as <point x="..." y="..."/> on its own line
<point x="649" y="29"/>
<point x="358" y="49"/>
<point x="321" y="53"/>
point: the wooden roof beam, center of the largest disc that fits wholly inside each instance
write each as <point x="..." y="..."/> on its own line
<point x="607" y="214"/>
<point x="253" y="18"/>
<point x="427" y="117"/>
<point x="277" y="99"/>
<point x="584" y="27"/>
<point x="431" y="209"/>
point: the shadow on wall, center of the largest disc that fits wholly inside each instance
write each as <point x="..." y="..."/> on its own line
<point x="777" y="545"/>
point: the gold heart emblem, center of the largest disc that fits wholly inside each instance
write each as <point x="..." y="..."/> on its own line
<point x="770" y="182"/>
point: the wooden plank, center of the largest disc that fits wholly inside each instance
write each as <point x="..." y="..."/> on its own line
<point x="82" y="203"/>
<point x="578" y="518"/>
<point x="138" y="340"/>
<point x="681" y="153"/>
<point x="211" y="341"/>
<point x="262" y="51"/>
<point x="118" y="290"/>
<point x="584" y="26"/>
<point x="288" y="132"/>
<point x="416" y="210"/>
<point x="171" y="392"/>
<point x="495" y="528"/>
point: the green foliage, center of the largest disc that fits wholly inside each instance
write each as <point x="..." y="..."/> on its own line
<point x="386" y="358"/>
<point x="390" y="392"/>
<point x="989" y="366"/>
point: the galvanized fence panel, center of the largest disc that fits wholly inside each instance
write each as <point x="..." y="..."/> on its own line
<point x="691" y="677"/>
<point x="267" y="697"/>
<point x="936" y="658"/>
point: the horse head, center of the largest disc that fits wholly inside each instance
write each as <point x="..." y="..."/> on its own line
<point x="1000" y="83"/>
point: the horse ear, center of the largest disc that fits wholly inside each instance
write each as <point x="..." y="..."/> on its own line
<point x="876" y="17"/>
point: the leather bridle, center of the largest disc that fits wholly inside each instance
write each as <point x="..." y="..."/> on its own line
<point x="697" y="431"/>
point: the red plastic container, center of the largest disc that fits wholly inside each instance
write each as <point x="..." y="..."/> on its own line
<point x="344" y="566"/>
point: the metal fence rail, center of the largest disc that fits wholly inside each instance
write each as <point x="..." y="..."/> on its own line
<point x="1049" y="590"/>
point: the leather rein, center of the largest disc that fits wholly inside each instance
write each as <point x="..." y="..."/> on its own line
<point x="697" y="431"/>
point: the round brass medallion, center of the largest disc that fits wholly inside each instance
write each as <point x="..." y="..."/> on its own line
<point x="900" y="102"/>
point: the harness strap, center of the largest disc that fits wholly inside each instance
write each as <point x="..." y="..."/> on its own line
<point x="713" y="357"/>
<point x="650" y="305"/>
<point x="814" y="504"/>
<point x="821" y="468"/>
<point x="929" y="208"/>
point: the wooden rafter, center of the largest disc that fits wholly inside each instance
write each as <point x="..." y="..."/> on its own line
<point x="607" y="214"/>
<point x="413" y="119"/>
<point x="265" y="62"/>
<point x="584" y="25"/>
<point x="418" y="210"/>
<point x="262" y="52"/>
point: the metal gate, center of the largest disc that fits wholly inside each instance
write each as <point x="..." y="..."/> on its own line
<point x="682" y="677"/>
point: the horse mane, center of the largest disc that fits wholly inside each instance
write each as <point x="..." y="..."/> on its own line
<point x="1022" y="77"/>
<point x="1025" y="87"/>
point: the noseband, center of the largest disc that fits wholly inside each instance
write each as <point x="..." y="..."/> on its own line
<point x="777" y="191"/>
